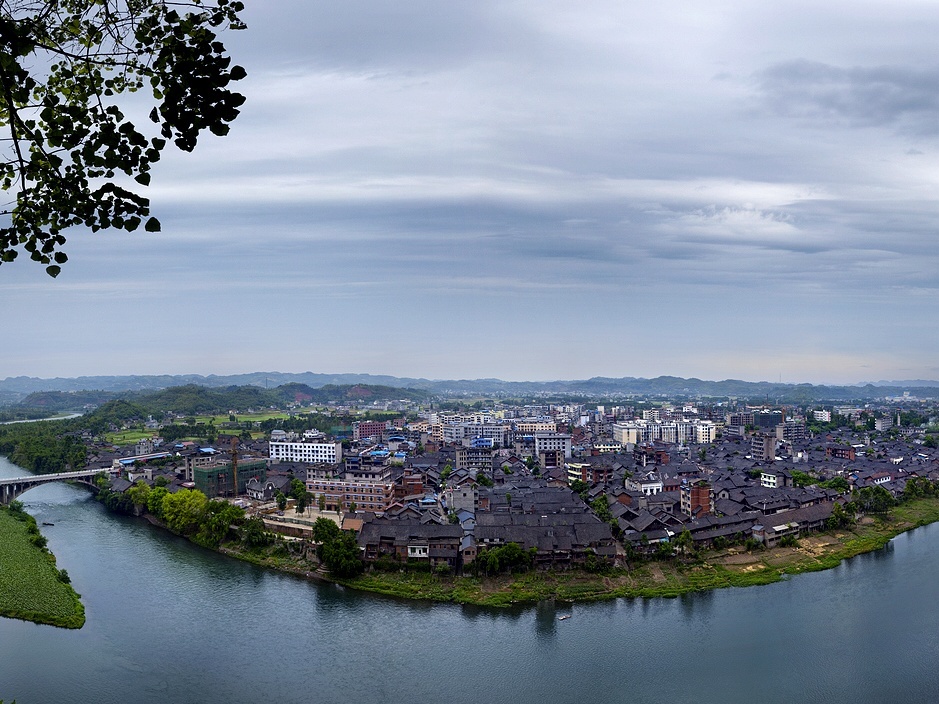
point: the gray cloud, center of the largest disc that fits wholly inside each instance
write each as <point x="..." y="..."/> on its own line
<point x="902" y="97"/>
<point x="513" y="165"/>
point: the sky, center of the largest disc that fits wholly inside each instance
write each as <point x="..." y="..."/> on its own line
<point x="532" y="190"/>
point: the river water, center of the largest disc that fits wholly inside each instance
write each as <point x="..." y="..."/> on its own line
<point x="170" y="622"/>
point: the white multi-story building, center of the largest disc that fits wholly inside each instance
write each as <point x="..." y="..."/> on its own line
<point x="705" y="432"/>
<point x="531" y="426"/>
<point x="330" y="452"/>
<point x="822" y="416"/>
<point x="629" y="433"/>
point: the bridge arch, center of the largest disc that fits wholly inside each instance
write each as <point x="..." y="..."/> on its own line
<point x="11" y="489"/>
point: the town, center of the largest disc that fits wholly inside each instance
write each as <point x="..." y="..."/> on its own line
<point x="572" y="485"/>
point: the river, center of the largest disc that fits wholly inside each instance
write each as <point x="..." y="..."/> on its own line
<point x="170" y="622"/>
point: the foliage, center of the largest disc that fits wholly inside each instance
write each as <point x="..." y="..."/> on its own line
<point x="139" y="493"/>
<point x="483" y="479"/>
<point x="254" y="534"/>
<point x="215" y="521"/>
<point x="340" y="552"/>
<point x="684" y="542"/>
<point x="802" y="478"/>
<point x="601" y="507"/>
<point x="69" y="151"/>
<point x="505" y="558"/>
<point x="917" y="487"/>
<point x="42" y="447"/>
<point x="839" y="518"/>
<point x="580" y="487"/>
<point x="155" y="501"/>
<point x="31" y="588"/>
<point x="324" y="530"/>
<point x="874" y="499"/>
<point x="837" y="483"/>
<point x="183" y="510"/>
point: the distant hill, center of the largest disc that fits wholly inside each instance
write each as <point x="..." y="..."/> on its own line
<point x="323" y="388"/>
<point x="191" y="399"/>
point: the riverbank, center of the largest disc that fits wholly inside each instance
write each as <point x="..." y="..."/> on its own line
<point x="31" y="587"/>
<point x="718" y="569"/>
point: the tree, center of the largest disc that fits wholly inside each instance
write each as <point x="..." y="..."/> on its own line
<point x="281" y="499"/>
<point x="580" y="487"/>
<point x="253" y="533"/>
<point x="684" y="542"/>
<point x="155" y="500"/>
<point x="302" y="501"/>
<point x="139" y="493"/>
<point x="341" y="555"/>
<point x="324" y="530"/>
<point x="183" y="510"/>
<point x="69" y="154"/>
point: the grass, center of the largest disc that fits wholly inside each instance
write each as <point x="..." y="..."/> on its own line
<point x="30" y="588"/>
<point x="128" y="437"/>
<point x="222" y="419"/>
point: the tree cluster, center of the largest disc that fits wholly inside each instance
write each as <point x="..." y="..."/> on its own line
<point x="337" y="549"/>
<point x="69" y="156"/>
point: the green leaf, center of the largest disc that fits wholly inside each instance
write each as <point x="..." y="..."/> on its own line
<point x="53" y="270"/>
<point x="143" y="179"/>
<point x="152" y="225"/>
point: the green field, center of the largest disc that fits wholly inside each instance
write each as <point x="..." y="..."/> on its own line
<point x="30" y="588"/>
<point x="221" y="419"/>
<point x="128" y="437"/>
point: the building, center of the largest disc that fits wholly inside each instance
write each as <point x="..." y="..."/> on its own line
<point x="791" y="431"/>
<point x="364" y="429"/>
<point x="589" y="473"/>
<point x="474" y="457"/>
<point x="840" y="452"/>
<point x="217" y="479"/>
<point x="306" y="451"/>
<point x="341" y="494"/>
<point x="556" y="442"/>
<point x="763" y="447"/>
<point x="822" y="416"/>
<point x="627" y="433"/>
<point x="697" y="499"/>
<point x="885" y="423"/>
<point x="705" y="432"/>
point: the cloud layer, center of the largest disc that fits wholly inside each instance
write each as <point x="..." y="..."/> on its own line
<point x="530" y="191"/>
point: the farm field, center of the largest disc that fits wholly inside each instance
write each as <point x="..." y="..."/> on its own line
<point x="128" y="437"/>
<point x="30" y="587"/>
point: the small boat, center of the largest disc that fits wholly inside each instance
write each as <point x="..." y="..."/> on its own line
<point x="47" y="523"/>
<point x="564" y="617"/>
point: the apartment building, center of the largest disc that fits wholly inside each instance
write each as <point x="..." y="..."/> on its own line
<point x="306" y="451"/>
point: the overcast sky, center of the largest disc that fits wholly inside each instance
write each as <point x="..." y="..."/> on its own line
<point x="532" y="190"/>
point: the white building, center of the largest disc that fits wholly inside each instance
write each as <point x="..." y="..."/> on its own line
<point x="705" y="432"/>
<point x="330" y="452"/>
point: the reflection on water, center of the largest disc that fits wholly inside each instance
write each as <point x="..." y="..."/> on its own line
<point x="168" y="621"/>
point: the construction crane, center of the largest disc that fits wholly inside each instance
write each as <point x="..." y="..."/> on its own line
<point x="234" y="465"/>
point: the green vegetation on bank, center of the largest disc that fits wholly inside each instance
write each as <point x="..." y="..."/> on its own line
<point x="733" y="567"/>
<point x="31" y="587"/>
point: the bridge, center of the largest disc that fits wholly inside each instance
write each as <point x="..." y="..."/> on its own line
<point x="12" y="488"/>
